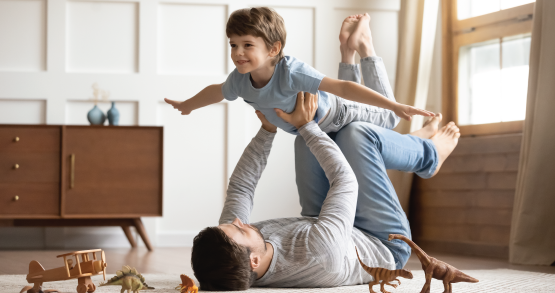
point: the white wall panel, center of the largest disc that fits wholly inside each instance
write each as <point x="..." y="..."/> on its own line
<point x="22" y="111"/>
<point x="384" y="26"/>
<point x="23" y="35"/>
<point x="102" y="37"/>
<point x="76" y="112"/>
<point x="191" y="39"/>
<point x="299" y="23"/>
<point x="170" y="48"/>
<point x="194" y="167"/>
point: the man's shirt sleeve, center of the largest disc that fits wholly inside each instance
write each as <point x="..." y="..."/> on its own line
<point x="245" y="176"/>
<point x="330" y="235"/>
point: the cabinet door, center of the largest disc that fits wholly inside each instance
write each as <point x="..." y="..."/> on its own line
<point x="116" y="172"/>
<point x="29" y="171"/>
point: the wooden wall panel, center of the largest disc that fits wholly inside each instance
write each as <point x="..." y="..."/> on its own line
<point x="467" y="207"/>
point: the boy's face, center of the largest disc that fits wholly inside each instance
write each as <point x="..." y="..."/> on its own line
<point x="249" y="53"/>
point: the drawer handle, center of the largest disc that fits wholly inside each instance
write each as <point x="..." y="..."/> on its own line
<point x="72" y="172"/>
<point x="16" y="166"/>
<point x="16" y="198"/>
<point x="16" y="139"/>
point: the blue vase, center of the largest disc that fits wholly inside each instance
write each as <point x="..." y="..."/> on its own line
<point x="96" y="116"/>
<point x="113" y="115"/>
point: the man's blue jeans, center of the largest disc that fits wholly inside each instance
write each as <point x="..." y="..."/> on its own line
<point x="370" y="150"/>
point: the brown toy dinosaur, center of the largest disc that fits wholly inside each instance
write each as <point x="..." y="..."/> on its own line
<point x="187" y="285"/>
<point x="434" y="268"/>
<point x="384" y="275"/>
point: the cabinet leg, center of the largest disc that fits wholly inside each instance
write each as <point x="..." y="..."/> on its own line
<point x="127" y="232"/>
<point x="142" y="232"/>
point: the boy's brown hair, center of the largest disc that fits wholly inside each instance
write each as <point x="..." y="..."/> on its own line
<point x="261" y="22"/>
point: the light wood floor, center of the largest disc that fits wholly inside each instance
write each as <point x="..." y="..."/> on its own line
<point x="177" y="261"/>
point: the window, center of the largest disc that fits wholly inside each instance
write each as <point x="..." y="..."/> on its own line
<point x="486" y="50"/>
<point x="472" y="8"/>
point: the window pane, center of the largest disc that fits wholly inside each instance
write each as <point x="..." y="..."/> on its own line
<point x="493" y="80"/>
<point x="471" y="8"/>
<point x="505" y="4"/>
<point x="514" y="77"/>
<point x="479" y="82"/>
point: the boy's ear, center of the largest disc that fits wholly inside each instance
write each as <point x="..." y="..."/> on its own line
<point x="276" y="48"/>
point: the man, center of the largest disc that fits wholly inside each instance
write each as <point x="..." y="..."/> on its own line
<point x="296" y="252"/>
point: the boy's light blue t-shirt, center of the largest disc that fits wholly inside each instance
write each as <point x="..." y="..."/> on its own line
<point x="291" y="76"/>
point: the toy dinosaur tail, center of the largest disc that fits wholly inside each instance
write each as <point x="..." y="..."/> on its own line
<point x="462" y="277"/>
<point x="365" y="267"/>
<point x="422" y="256"/>
<point x="384" y="272"/>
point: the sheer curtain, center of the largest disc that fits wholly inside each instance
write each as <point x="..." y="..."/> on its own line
<point x="417" y="30"/>
<point x="533" y="224"/>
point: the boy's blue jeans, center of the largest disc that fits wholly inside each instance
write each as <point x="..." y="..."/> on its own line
<point x="370" y="150"/>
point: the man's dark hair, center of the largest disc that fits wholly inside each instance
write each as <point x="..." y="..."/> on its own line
<point x="219" y="263"/>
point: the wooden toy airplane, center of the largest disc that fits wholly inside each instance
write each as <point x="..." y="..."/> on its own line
<point x="80" y="270"/>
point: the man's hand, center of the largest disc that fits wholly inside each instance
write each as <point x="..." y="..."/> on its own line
<point x="406" y="111"/>
<point x="180" y="106"/>
<point x="305" y="108"/>
<point x="265" y="123"/>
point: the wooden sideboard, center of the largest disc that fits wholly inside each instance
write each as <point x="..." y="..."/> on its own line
<point x="81" y="176"/>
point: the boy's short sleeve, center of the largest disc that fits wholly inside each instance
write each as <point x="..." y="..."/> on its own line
<point x="304" y="78"/>
<point x="230" y="86"/>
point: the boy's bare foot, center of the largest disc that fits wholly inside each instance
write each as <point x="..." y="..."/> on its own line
<point x="430" y="127"/>
<point x="347" y="28"/>
<point x="361" y="37"/>
<point x="445" y="141"/>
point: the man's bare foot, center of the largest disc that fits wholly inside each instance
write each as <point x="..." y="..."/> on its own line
<point x="361" y="37"/>
<point x="445" y="141"/>
<point x="430" y="127"/>
<point x="347" y="28"/>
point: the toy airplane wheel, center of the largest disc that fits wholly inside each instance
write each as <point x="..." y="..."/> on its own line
<point x="92" y="288"/>
<point x="81" y="288"/>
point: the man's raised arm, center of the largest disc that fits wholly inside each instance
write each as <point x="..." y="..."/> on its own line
<point x="243" y="181"/>
<point x="329" y="236"/>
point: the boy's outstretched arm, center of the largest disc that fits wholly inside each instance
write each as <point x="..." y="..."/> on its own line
<point x="359" y="93"/>
<point x="211" y="94"/>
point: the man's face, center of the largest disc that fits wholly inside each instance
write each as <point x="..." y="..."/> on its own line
<point x="249" y="53"/>
<point x="245" y="235"/>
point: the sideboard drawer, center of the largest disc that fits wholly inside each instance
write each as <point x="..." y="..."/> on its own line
<point x="33" y="199"/>
<point x="18" y="138"/>
<point x="29" y="167"/>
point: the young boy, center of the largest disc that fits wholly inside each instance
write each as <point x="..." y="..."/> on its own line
<point x="270" y="81"/>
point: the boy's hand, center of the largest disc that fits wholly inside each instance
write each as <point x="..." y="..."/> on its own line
<point x="265" y="123"/>
<point x="304" y="112"/>
<point x="180" y="106"/>
<point x="406" y="111"/>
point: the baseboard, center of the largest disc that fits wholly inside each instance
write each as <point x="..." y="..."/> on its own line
<point x="22" y="238"/>
<point x="471" y="249"/>
<point x="63" y="238"/>
<point x="85" y="238"/>
<point x="176" y="238"/>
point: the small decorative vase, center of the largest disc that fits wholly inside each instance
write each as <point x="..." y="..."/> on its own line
<point x="96" y="116"/>
<point x="113" y="115"/>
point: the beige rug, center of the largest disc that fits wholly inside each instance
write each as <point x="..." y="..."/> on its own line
<point x="490" y="281"/>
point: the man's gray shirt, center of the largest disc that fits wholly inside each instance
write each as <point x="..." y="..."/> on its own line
<point x="308" y="252"/>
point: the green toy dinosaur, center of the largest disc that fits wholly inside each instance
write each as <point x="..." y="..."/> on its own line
<point x="129" y="279"/>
